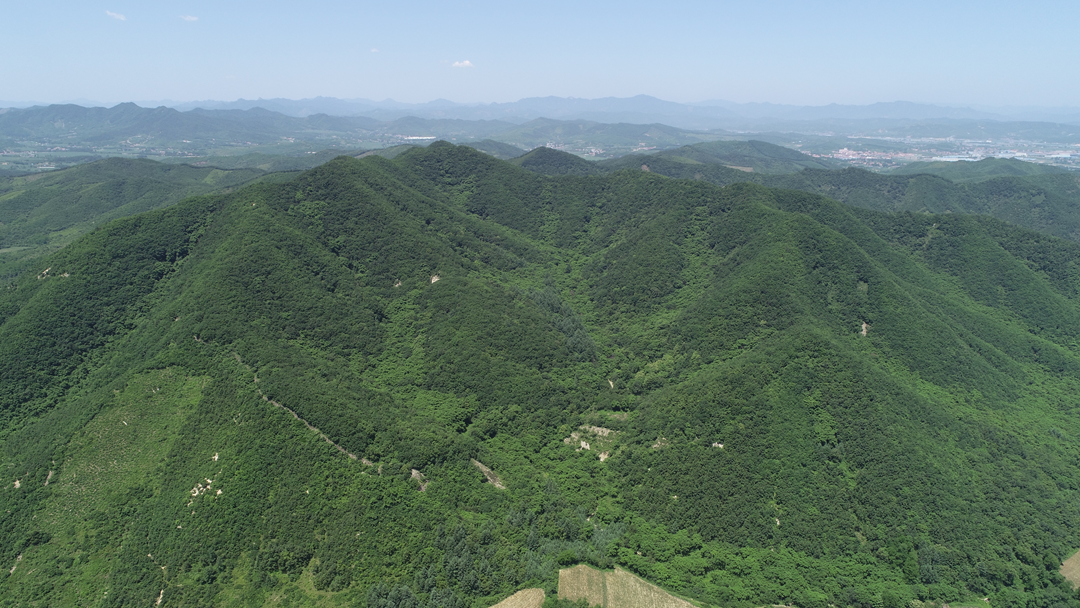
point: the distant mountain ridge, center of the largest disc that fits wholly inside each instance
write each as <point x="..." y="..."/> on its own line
<point x="604" y="129"/>
<point x="639" y="108"/>
<point x="71" y="125"/>
<point x="894" y="109"/>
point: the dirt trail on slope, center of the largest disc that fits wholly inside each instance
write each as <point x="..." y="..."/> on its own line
<point x="295" y="415"/>
<point x="310" y="426"/>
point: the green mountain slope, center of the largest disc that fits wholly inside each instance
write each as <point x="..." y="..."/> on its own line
<point x="1047" y="203"/>
<point x="755" y="156"/>
<point x="586" y="133"/>
<point x="547" y="161"/>
<point x="434" y="380"/>
<point x="497" y="149"/>
<point x="987" y="168"/>
<point x="40" y="213"/>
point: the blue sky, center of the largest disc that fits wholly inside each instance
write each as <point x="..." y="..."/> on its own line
<point x="953" y="52"/>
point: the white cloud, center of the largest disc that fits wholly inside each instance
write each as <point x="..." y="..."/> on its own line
<point x="189" y="18"/>
<point x="374" y="50"/>
<point x="116" y="15"/>
<point x="462" y="64"/>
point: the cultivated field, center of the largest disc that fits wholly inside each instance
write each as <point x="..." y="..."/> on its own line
<point x="526" y="598"/>
<point x="618" y="589"/>
<point x="583" y="582"/>
<point x="1070" y="570"/>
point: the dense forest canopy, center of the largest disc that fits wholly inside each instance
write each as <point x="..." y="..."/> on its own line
<point x="435" y="379"/>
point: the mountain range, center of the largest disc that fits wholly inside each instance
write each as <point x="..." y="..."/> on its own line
<point x="1037" y="197"/>
<point x="434" y="380"/>
<point x="641" y="109"/>
<point x="39" y="213"/>
<point x="165" y="131"/>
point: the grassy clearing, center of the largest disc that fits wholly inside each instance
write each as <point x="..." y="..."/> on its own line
<point x="123" y="445"/>
<point x="122" y="448"/>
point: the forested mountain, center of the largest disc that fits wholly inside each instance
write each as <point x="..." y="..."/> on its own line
<point x="546" y="161"/>
<point x="433" y="380"/>
<point x="1048" y="203"/>
<point x="752" y="155"/>
<point x="1043" y="200"/>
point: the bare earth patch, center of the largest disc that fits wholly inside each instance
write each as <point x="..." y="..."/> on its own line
<point x="492" y="478"/>
<point x="588" y="437"/>
<point x="599" y="431"/>
<point x="526" y="598"/>
<point x="418" y="476"/>
<point x="1071" y="570"/>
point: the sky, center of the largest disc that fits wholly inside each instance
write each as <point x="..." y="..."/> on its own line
<point x="807" y="52"/>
